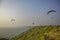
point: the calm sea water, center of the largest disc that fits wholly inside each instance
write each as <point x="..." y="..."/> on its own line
<point x="10" y="32"/>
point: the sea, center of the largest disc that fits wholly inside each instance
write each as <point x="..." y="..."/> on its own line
<point x="9" y="32"/>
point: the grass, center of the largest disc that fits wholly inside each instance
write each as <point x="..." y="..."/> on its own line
<point x="38" y="33"/>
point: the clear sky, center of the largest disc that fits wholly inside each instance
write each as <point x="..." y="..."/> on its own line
<point x="25" y="12"/>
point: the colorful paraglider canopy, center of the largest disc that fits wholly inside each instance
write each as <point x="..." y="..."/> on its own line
<point x="50" y="11"/>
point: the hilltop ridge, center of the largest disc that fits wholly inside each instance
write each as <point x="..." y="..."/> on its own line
<point x="47" y="32"/>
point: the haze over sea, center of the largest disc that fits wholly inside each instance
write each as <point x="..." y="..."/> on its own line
<point x="12" y="31"/>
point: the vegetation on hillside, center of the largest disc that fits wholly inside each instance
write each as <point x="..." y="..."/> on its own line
<point x="46" y="32"/>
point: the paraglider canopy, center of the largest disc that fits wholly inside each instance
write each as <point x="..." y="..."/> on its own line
<point x="50" y="11"/>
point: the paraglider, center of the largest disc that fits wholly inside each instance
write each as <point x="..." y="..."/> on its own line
<point x="12" y="20"/>
<point x="33" y="23"/>
<point x="50" y="11"/>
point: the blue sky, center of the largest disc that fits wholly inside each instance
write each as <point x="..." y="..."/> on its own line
<point x="27" y="11"/>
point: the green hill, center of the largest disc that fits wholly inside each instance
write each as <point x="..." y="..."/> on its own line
<point x="46" y="32"/>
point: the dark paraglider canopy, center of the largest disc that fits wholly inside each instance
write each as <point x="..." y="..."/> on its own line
<point x="50" y="11"/>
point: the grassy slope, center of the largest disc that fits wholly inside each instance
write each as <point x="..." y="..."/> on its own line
<point x="38" y="32"/>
